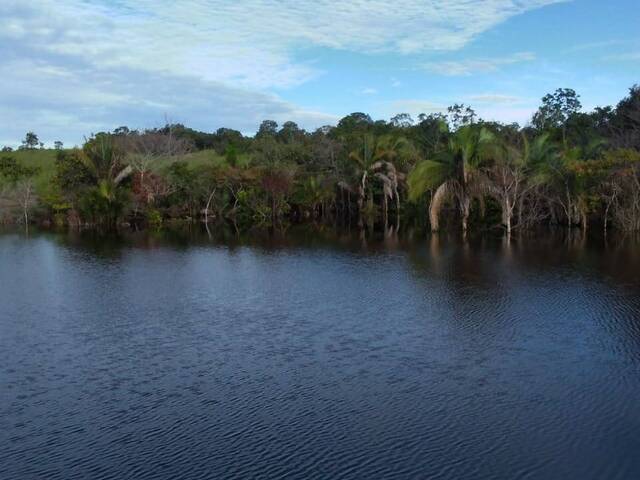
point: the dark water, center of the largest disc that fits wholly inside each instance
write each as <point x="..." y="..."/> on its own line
<point x="148" y="357"/>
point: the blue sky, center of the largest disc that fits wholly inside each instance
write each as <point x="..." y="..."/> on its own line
<point x="73" y="67"/>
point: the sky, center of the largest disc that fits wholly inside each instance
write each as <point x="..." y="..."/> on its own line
<point x="69" y="68"/>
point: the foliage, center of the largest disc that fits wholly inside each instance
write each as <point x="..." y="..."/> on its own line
<point x="30" y="141"/>
<point x="16" y="187"/>
<point x="556" y="109"/>
<point x="11" y="171"/>
<point x="568" y="167"/>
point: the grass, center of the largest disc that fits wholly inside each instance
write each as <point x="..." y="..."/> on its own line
<point x="44" y="161"/>
<point x="195" y="160"/>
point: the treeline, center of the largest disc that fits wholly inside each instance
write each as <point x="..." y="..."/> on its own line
<point x="453" y="170"/>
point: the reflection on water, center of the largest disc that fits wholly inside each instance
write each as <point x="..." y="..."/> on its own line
<point x="318" y="354"/>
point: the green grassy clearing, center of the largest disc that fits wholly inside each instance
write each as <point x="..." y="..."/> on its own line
<point x="44" y="161"/>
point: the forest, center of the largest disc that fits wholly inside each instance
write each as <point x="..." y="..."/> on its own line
<point x="451" y="170"/>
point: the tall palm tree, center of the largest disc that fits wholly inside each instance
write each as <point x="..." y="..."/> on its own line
<point x="377" y="158"/>
<point x="452" y="172"/>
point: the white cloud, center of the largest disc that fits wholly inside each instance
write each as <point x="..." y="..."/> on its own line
<point x="67" y="105"/>
<point x="479" y="65"/>
<point x="413" y="107"/>
<point x="99" y="63"/>
<point x="506" y="114"/>
<point x="251" y="42"/>
<point x="592" y="46"/>
<point x="494" y="98"/>
<point x="369" y="91"/>
<point x="623" y="57"/>
<point x="493" y="107"/>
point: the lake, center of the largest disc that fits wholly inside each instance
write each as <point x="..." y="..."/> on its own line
<point x="318" y="356"/>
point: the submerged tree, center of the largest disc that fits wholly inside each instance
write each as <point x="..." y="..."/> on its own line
<point x="105" y="201"/>
<point x="568" y="168"/>
<point x="376" y="159"/>
<point x="453" y="172"/>
<point x="17" y="185"/>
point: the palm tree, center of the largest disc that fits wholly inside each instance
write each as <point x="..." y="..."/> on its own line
<point x="453" y="172"/>
<point x="103" y="160"/>
<point x="316" y="192"/>
<point x="508" y="177"/>
<point x="377" y="159"/>
<point x="560" y="171"/>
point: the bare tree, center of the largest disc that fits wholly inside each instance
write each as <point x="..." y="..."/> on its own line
<point x="16" y="187"/>
<point x="19" y="196"/>
<point x="24" y="191"/>
<point x="144" y="151"/>
<point x="627" y="200"/>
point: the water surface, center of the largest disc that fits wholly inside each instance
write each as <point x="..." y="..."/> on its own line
<point x="318" y="357"/>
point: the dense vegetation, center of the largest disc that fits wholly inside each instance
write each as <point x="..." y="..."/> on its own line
<point x="567" y="167"/>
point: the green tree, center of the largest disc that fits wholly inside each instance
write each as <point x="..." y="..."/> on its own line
<point x="231" y="155"/>
<point x="624" y="125"/>
<point x="105" y="201"/>
<point x="268" y="128"/>
<point x="401" y="120"/>
<point x="375" y="160"/>
<point x="451" y="173"/>
<point x="509" y="177"/>
<point x="555" y="111"/>
<point x="460" y="115"/>
<point x="30" y="141"/>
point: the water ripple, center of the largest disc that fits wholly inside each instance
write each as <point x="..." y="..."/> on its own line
<point x="432" y="361"/>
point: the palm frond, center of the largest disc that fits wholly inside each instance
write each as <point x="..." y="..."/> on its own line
<point x="427" y="175"/>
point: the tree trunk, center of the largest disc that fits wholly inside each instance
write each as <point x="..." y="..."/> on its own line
<point x="506" y="215"/>
<point x="569" y="208"/>
<point x="465" y="208"/>
<point x="206" y="208"/>
<point x="397" y="210"/>
<point x="26" y="218"/>
<point x="606" y="216"/>
<point x="437" y="201"/>
<point x="361" y="199"/>
<point x="273" y="210"/>
<point x="520" y="210"/>
<point x="385" y="210"/>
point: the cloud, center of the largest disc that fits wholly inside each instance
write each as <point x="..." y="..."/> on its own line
<point x="506" y="114"/>
<point x="623" y="57"/>
<point x="369" y="91"/>
<point x="413" y="107"/>
<point x="251" y="43"/>
<point x="592" y="46"/>
<point x="92" y="64"/>
<point x="69" y="104"/>
<point x="479" y="65"/>
<point x="494" y="98"/>
<point x="491" y="107"/>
